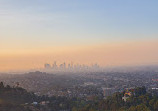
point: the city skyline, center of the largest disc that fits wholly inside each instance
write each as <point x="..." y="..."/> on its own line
<point x="110" y="33"/>
<point x="70" y="67"/>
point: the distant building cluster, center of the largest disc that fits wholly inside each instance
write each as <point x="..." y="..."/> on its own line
<point x="70" y="67"/>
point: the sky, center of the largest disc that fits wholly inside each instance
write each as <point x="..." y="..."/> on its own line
<point x="107" y="32"/>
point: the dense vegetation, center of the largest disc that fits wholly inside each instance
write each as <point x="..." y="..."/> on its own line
<point x="18" y="99"/>
<point x="13" y="99"/>
<point x="140" y="100"/>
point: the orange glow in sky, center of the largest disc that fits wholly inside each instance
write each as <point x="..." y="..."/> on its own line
<point x="107" y="32"/>
<point x="108" y="54"/>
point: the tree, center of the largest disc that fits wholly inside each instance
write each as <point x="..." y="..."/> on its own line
<point x="132" y="108"/>
<point x="74" y="109"/>
<point x="151" y="103"/>
<point x="156" y="106"/>
<point x="142" y="107"/>
<point x="124" y="108"/>
<point x="1" y="85"/>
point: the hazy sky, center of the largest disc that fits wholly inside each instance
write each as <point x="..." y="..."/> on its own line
<point x="109" y="32"/>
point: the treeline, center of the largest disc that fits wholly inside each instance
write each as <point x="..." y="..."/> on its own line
<point x="140" y="100"/>
<point x="15" y="99"/>
<point x="19" y="99"/>
<point x="16" y="95"/>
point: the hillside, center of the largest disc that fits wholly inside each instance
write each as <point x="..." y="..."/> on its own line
<point x="18" y="99"/>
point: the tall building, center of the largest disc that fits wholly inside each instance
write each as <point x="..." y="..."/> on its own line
<point x="64" y="65"/>
<point x="47" y="66"/>
<point x="69" y="66"/>
<point x="55" y="65"/>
